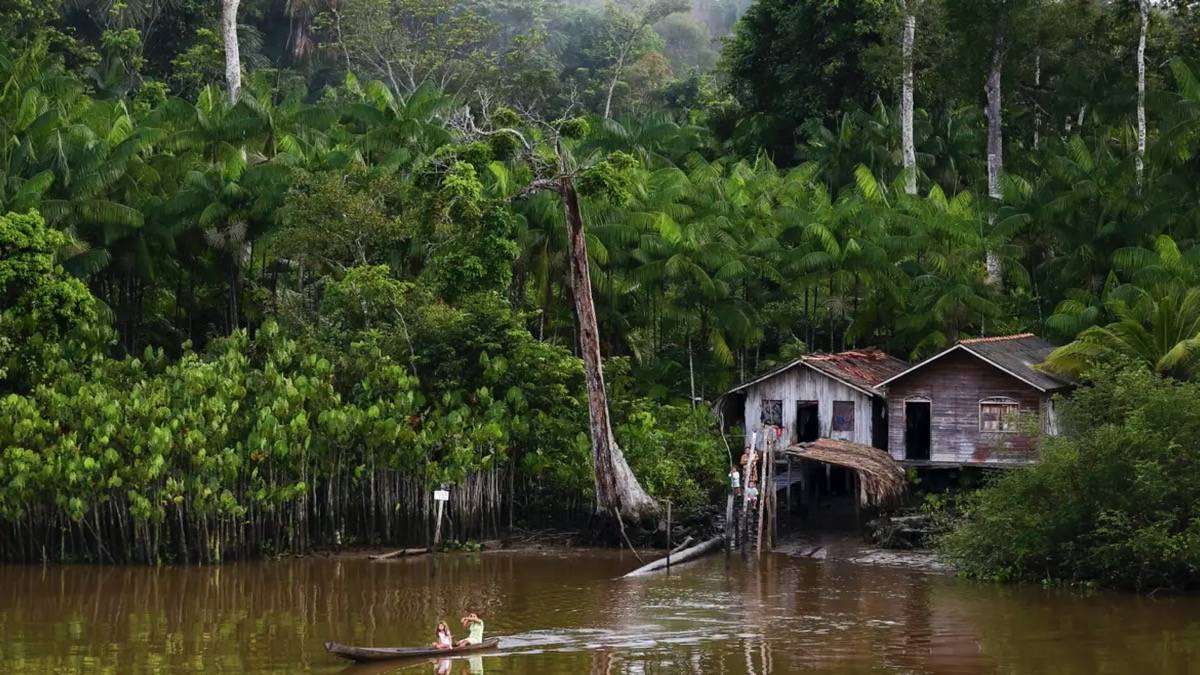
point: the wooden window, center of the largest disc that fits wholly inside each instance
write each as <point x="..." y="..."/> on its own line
<point x="772" y="412"/>
<point x="843" y="415"/>
<point x="998" y="415"/>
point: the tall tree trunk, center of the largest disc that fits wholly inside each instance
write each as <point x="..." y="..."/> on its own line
<point x="612" y="84"/>
<point x="1140" y="160"/>
<point x="233" y="58"/>
<point x="617" y="489"/>
<point x="995" y="150"/>
<point x="1037" y="110"/>
<point x="906" y="99"/>
<point x="692" y="371"/>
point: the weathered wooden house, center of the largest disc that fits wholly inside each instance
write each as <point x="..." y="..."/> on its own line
<point x="817" y="396"/>
<point x="979" y="403"/>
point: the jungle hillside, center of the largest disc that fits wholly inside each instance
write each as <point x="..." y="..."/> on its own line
<point x="271" y="271"/>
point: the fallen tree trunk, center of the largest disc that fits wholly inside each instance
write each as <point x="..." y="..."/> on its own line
<point x="400" y="554"/>
<point x="683" y="556"/>
<point x="686" y="542"/>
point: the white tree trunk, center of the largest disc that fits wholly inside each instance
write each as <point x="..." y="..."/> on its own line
<point x="612" y="84"/>
<point x="1140" y="160"/>
<point x="1037" y="111"/>
<point x="233" y="58"/>
<point x="908" y="148"/>
<point x="617" y="489"/>
<point x="995" y="150"/>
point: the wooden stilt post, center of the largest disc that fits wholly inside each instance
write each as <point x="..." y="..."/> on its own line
<point x="858" y="500"/>
<point x="762" y="499"/>
<point x="730" y="526"/>
<point x="668" y="536"/>
<point x="774" y="531"/>
<point x="789" y="485"/>
<point x="743" y="520"/>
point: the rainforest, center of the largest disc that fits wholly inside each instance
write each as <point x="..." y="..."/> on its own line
<point x="272" y="271"/>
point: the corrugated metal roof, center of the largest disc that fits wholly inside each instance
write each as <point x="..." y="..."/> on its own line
<point x="1017" y="355"/>
<point x="859" y="368"/>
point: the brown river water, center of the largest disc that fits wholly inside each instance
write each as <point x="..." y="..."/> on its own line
<point x="566" y="612"/>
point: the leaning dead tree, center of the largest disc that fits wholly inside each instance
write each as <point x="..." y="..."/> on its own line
<point x="617" y="489"/>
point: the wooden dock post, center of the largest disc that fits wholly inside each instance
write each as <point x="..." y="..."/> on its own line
<point x="763" y="494"/>
<point x="730" y="526"/>
<point x="743" y="519"/>
<point x="668" y="536"/>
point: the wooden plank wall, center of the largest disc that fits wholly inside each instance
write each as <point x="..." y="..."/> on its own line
<point x="804" y="384"/>
<point x="955" y="384"/>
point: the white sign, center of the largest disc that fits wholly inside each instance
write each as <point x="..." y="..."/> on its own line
<point x="441" y="495"/>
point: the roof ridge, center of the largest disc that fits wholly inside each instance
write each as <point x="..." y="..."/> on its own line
<point x="996" y="338"/>
<point x="868" y="352"/>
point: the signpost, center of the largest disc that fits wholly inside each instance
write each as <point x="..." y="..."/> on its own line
<point x="441" y="497"/>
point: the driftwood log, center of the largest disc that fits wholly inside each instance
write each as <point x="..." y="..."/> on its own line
<point x="402" y="553"/>
<point x="683" y="556"/>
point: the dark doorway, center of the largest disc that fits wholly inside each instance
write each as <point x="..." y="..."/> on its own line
<point x="808" y="422"/>
<point x="916" y="429"/>
<point x="879" y="424"/>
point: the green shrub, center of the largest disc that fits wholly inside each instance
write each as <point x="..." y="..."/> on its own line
<point x="1115" y="501"/>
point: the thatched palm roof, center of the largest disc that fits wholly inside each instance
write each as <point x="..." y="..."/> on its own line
<point x="882" y="479"/>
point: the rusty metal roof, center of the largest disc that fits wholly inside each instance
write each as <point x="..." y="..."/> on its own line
<point x="1018" y="355"/>
<point x="861" y="369"/>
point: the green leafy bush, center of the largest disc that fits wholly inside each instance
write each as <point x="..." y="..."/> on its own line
<point x="1115" y="501"/>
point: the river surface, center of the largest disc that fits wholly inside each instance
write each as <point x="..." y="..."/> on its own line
<point x="565" y="612"/>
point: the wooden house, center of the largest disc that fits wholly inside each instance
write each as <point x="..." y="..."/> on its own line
<point x="816" y="396"/>
<point x="978" y="403"/>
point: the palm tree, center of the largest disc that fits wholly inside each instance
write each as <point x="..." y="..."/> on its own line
<point x="1159" y="328"/>
<point x="945" y="292"/>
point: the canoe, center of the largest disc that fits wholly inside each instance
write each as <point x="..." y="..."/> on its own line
<point x="368" y="654"/>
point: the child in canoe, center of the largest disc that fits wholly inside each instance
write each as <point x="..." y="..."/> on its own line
<point x="444" y="641"/>
<point x="474" y="624"/>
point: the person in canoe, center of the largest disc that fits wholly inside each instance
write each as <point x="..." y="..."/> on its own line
<point x="444" y="639"/>
<point x="474" y="624"/>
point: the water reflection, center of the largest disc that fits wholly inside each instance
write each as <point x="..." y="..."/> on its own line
<point x="568" y="613"/>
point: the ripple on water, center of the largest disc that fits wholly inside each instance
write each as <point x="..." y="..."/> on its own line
<point x="569" y="613"/>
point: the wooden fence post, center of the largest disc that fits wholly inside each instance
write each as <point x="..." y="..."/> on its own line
<point x="668" y="536"/>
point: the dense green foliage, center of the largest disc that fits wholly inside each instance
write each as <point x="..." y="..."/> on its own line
<point x="1115" y="501"/>
<point x="348" y="272"/>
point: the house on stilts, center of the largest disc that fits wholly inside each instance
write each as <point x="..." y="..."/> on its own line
<point x="982" y="403"/>
<point x="825" y="423"/>
<point x="816" y="396"/>
<point x="848" y="425"/>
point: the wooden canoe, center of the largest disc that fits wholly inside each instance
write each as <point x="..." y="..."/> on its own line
<point x="369" y="654"/>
